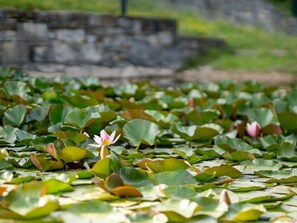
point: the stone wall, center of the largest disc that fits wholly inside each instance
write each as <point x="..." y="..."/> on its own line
<point x="258" y="13"/>
<point x="57" y="42"/>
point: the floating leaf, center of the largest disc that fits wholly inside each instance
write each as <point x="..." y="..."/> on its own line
<point x="91" y="207"/>
<point x="81" y="117"/>
<point x="126" y="191"/>
<point x="182" y="207"/>
<point x="200" y="118"/>
<point x="239" y="156"/>
<point x="166" y="165"/>
<point x="29" y="201"/>
<point x="115" y="185"/>
<point x="178" y="177"/>
<point x="137" y="114"/>
<point x="7" y="134"/>
<point x="134" y="177"/>
<point x="71" y="154"/>
<point x="139" y="131"/>
<point x="288" y="121"/>
<point x="198" y="133"/>
<point x="71" y="135"/>
<point x="280" y="176"/>
<point x="18" y="88"/>
<point x="180" y="191"/>
<point x="56" y="186"/>
<point x="38" y="114"/>
<point x="80" y="101"/>
<point x="260" y="164"/>
<point x="242" y="213"/>
<point x="44" y="164"/>
<point x="287" y="152"/>
<point x="15" y="115"/>
<point x="264" y="116"/>
<point x="211" y="207"/>
<point x="4" y="165"/>
<point x="102" y="168"/>
<point x="51" y="149"/>
<point x="218" y="171"/>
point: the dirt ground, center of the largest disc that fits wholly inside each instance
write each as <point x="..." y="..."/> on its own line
<point x="207" y="74"/>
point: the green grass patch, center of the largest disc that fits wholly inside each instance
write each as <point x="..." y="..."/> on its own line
<point x="283" y="5"/>
<point x="262" y="44"/>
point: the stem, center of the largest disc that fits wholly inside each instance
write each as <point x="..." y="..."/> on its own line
<point x="137" y="148"/>
<point x="64" y="144"/>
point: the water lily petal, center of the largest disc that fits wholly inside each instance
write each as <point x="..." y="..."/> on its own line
<point x="117" y="138"/>
<point x="97" y="140"/>
<point x="112" y="135"/>
<point x="253" y="129"/>
<point x="104" y="135"/>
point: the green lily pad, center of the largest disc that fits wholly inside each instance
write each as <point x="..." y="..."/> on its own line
<point x="180" y="191"/>
<point x="56" y="186"/>
<point x="44" y="164"/>
<point x="81" y="117"/>
<point x="80" y="101"/>
<point x="15" y="116"/>
<point x="38" y="114"/>
<point x="260" y="164"/>
<point x="102" y="168"/>
<point x="217" y="171"/>
<point x="279" y="176"/>
<point x="288" y="121"/>
<point x="29" y="201"/>
<point x="91" y="207"/>
<point x="170" y="178"/>
<point x="178" y="209"/>
<point x="134" y="177"/>
<point x="139" y="131"/>
<point x="71" y="154"/>
<point x="287" y="152"/>
<point x="264" y="116"/>
<point x="192" y="133"/>
<point x="166" y="165"/>
<point x="244" y="212"/>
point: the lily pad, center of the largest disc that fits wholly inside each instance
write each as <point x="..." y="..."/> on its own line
<point x="192" y="133"/>
<point x="15" y="116"/>
<point x="139" y="131"/>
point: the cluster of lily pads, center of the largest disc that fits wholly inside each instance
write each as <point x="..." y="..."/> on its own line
<point x="75" y="150"/>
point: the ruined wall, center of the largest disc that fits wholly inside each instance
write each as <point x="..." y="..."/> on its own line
<point x="62" y="41"/>
<point x="259" y="13"/>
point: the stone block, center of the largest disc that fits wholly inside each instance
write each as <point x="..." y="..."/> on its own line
<point x="71" y="35"/>
<point x="90" y="53"/>
<point x="165" y="38"/>
<point x="109" y="20"/>
<point x="42" y="53"/>
<point x="124" y="22"/>
<point x="57" y="52"/>
<point x="64" y="53"/>
<point x="8" y="24"/>
<point x="94" y="20"/>
<point x="32" y="32"/>
<point x="8" y="35"/>
<point x="137" y="27"/>
<point x="91" y="38"/>
<point x="14" y="53"/>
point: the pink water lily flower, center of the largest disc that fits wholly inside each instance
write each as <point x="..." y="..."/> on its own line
<point x="104" y="139"/>
<point x="254" y="129"/>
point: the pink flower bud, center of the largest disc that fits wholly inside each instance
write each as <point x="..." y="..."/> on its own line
<point x="191" y="102"/>
<point x="253" y="129"/>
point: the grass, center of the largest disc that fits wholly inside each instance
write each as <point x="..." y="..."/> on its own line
<point x="283" y="5"/>
<point x="259" y="46"/>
